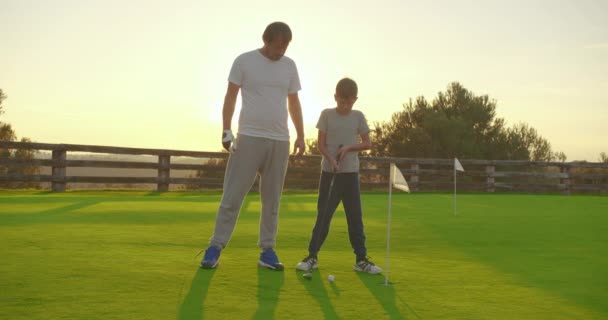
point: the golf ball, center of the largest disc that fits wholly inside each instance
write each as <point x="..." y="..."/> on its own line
<point x="331" y="278"/>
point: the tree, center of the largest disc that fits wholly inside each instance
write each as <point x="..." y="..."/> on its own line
<point x="603" y="157"/>
<point x="312" y="147"/>
<point x="8" y="134"/>
<point x="2" y="97"/>
<point x="457" y="123"/>
<point x="560" y="156"/>
<point x="214" y="169"/>
<point x="525" y="143"/>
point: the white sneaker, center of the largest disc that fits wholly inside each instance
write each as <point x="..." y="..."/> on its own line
<point x="308" y="263"/>
<point x="367" y="266"/>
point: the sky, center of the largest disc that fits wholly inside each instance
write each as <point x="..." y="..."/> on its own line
<point x="153" y="74"/>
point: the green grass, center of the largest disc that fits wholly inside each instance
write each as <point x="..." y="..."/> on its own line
<point x="131" y="255"/>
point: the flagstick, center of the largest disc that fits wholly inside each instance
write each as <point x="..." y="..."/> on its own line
<point x="454" y="190"/>
<point x="388" y="225"/>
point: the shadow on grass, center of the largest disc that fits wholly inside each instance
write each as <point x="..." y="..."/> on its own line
<point x="385" y="294"/>
<point x="269" y="286"/>
<point x="46" y="216"/>
<point x="68" y="208"/>
<point x="317" y="290"/>
<point x="66" y="214"/>
<point x="43" y="192"/>
<point x="43" y="197"/>
<point x="192" y="306"/>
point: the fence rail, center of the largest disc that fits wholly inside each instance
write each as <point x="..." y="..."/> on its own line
<point x="303" y="172"/>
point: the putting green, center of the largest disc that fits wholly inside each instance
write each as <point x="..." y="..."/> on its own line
<point x="131" y="255"/>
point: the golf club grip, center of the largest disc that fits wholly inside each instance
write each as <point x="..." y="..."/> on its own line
<point x="334" y="171"/>
<point x="333" y="174"/>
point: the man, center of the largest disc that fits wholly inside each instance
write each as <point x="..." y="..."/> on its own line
<point x="267" y="80"/>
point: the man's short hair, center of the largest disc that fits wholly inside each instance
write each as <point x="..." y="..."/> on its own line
<point x="277" y="30"/>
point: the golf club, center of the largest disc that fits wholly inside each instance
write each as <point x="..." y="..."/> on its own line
<point x="308" y="275"/>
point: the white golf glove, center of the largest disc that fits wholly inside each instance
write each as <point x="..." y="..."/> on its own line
<point x="228" y="141"/>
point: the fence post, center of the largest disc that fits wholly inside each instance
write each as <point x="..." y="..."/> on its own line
<point x="414" y="179"/>
<point x="490" y="182"/>
<point x="163" y="173"/>
<point x="58" y="171"/>
<point x="565" y="181"/>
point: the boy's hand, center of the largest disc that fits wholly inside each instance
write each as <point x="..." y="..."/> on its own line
<point x="228" y="141"/>
<point x="341" y="153"/>
<point x="334" y="165"/>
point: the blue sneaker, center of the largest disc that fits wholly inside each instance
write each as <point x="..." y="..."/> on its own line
<point x="269" y="259"/>
<point x="211" y="258"/>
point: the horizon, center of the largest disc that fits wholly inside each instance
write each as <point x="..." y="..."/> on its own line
<point x="154" y="74"/>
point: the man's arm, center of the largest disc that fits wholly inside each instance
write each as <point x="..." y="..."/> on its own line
<point x="227" y="113"/>
<point x="295" y="112"/>
<point x="229" y="105"/>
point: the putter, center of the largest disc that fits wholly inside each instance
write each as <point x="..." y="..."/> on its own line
<point x="331" y="184"/>
<point x="308" y="275"/>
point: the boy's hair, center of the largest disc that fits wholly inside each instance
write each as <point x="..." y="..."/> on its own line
<point x="276" y="30"/>
<point x="346" y="87"/>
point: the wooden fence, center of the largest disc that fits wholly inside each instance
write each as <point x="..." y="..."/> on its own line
<point x="422" y="174"/>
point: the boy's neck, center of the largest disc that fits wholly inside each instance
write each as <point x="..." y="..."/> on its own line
<point x="342" y="112"/>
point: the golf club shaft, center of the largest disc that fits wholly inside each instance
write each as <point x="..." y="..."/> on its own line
<point x="329" y="192"/>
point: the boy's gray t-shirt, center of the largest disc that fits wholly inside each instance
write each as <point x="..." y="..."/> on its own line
<point x="342" y="130"/>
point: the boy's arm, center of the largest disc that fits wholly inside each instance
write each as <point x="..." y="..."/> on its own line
<point x="322" y="146"/>
<point x="295" y="112"/>
<point x="365" y="144"/>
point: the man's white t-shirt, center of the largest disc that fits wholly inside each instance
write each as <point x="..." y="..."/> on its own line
<point x="265" y="85"/>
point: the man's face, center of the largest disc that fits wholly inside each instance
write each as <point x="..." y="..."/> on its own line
<point x="276" y="48"/>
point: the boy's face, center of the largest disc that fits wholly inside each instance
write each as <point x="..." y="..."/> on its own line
<point x="344" y="104"/>
<point x="275" y="49"/>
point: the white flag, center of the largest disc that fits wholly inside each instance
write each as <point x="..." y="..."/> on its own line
<point x="397" y="179"/>
<point x="457" y="165"/>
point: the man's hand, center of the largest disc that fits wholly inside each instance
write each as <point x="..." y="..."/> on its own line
<point x="299" y="147"/>
<point x="228" y="141"/>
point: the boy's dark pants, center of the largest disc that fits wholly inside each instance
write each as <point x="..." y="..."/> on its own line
<point x="345" y="189"/>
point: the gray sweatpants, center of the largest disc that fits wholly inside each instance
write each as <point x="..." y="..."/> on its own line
<point x="266" y="157"/>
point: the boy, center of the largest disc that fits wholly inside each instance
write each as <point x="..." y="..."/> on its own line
<point x="339" y="129"/>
